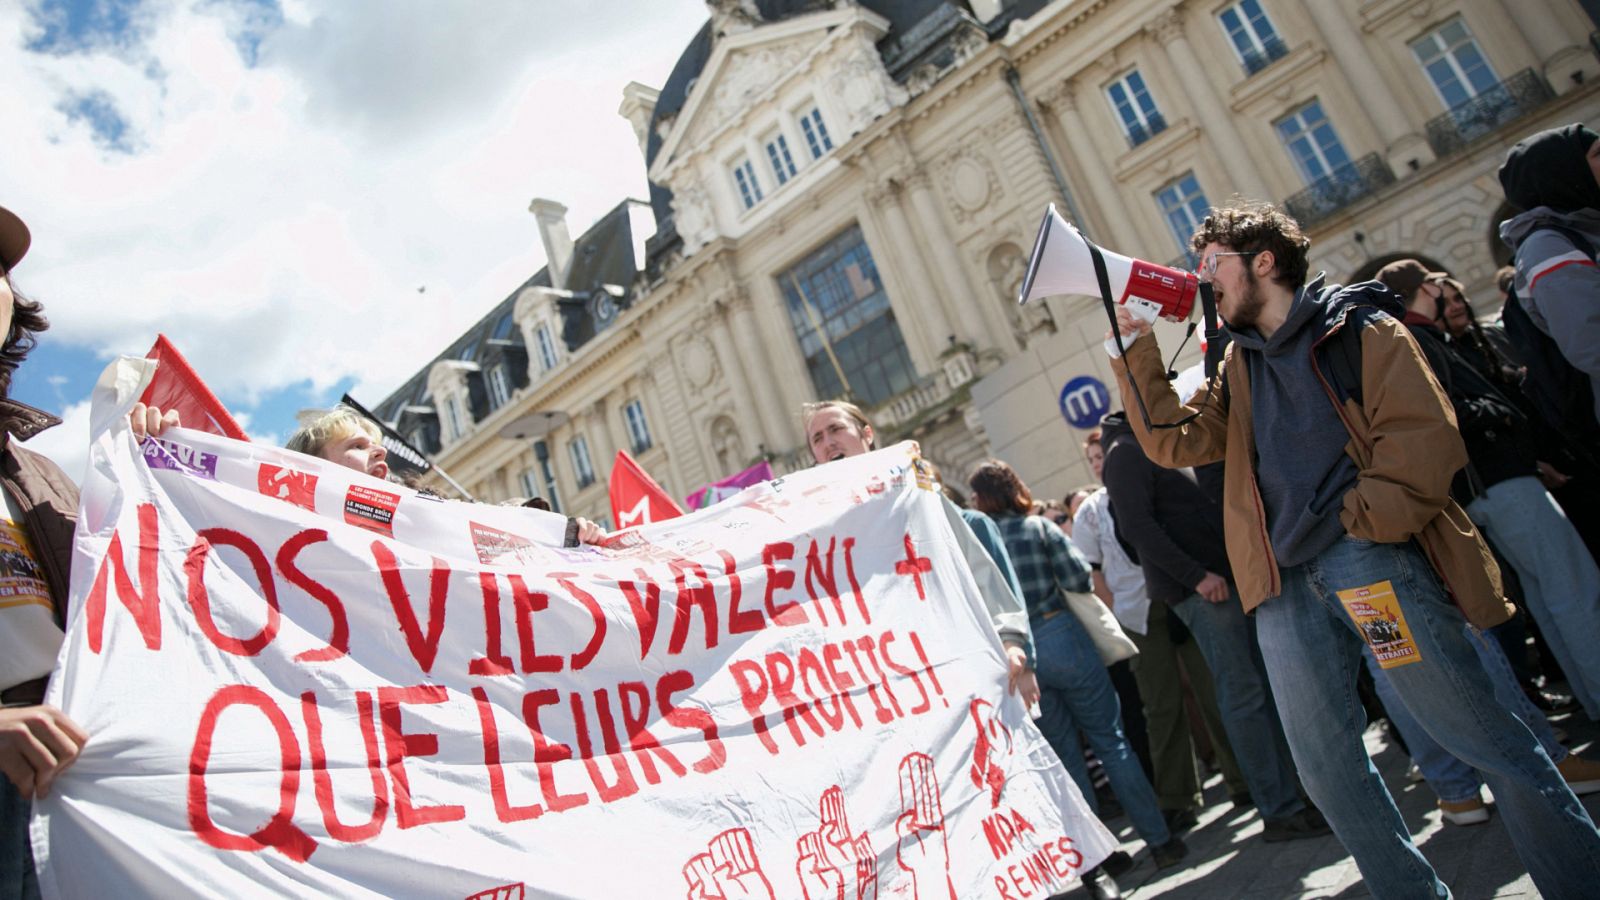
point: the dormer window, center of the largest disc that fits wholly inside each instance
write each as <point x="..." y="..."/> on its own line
<point x="817" y="140"/>
<point x="778" y="155"/>
<point x="547" y="348"/>
<point x="744" y="176"/>
<point x="499" y="387"/>
<point x="454" y="422"/>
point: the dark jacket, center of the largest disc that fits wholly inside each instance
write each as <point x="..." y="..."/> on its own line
<point x="1164" y="513"/>
<point x="1498" y="435"/>
<point x="1403" y="440"/>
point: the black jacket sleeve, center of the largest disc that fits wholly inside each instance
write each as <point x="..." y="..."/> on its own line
<point x="1130" y="480"/>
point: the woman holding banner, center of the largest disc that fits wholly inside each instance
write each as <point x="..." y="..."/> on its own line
<point x="1076" y="691"/>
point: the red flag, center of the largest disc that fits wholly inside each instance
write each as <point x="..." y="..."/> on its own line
<point x="636" y="498"/>
<point x="176" y="386"/>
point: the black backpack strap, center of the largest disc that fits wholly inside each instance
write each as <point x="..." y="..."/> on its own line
<point x="1343" y="353"/>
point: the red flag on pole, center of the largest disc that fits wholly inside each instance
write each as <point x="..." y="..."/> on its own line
<point x="176" y="386"/>
<point x="636" y="498"/>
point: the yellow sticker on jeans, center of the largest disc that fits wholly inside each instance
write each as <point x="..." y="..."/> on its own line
<point x="1376" y="611"/>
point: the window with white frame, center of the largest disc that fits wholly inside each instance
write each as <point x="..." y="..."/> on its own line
<point x="744" y="177"/>
<point x="546" y="347"/>
<point x="1252" y="35"/>
<point x="529" y="482"/>
<point x="582" y="468"/>
<point x="1135" y="108"/>
<point x="499" y="387"/>
<point x="1454" y="63"/>
<point x="638" y="429"/>
<point x="454" y="422"/>
<point x="778" y="156"/>
<point x="817" y="140"/>
<point x="1312" y="142"/>
<point x="1184" y="207"/>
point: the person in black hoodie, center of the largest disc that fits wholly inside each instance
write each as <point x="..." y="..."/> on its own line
<point x="1177" y="530"/>
<point x="1501" y="491"/>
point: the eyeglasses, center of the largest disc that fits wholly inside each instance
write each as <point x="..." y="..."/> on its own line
<point x="1208" y="266"/>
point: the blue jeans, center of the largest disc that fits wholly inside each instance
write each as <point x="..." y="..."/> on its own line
<point x="17" y="878"/>
<point x="1075" y="694"/>
<point x="1559" y="579"/>
<point x="1451" y="779"/>
<point x="1227" y="640"/>
<point x="1312" y="650"/>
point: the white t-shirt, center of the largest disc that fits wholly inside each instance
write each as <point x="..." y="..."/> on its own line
<point x="1093" y="533"/>
<point x="29" y="636"/>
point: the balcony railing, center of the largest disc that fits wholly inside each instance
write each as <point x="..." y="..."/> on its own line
<point x="1272" y="50"/>
<point x="1339" y="188"/>
<point x="1502" y="104"/>
<point x="1138" y="134"/>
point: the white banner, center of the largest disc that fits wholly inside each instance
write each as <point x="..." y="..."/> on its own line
<point x="303" y="681"/>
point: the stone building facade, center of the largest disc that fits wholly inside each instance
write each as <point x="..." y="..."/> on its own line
<point x="844" y="194"/>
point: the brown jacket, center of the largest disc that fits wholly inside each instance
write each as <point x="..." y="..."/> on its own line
<point x="45" y="496"/>
<point x="1403" y="440"/>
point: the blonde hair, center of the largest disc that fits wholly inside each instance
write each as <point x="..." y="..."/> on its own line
<point x="334" y="425"/>
<point x="809" y="410"/>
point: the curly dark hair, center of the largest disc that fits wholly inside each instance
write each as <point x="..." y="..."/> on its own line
<point x="27" y="320"/>
<point x="1257" y="227"/>
<point x="996" y="489"/>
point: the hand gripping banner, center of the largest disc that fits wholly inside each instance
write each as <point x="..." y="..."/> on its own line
<point x="302" y="681"/>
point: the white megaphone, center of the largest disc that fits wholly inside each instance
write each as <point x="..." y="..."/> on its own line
<point x="1063" y="263"/>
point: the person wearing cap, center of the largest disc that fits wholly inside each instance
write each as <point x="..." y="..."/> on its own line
<point x="1500" y="489"/>
<point x="1337" y="514"/>
<point x="41" y="509"/>
<point x="37" y="741"/>
<point x="1554" y="176"/>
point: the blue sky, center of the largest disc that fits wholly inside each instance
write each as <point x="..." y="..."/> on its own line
<point x="271" y="183"/>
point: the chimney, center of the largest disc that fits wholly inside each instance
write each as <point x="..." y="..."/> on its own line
<point x="986" y="10"/>
<point x="638" y="107"/>
<point x="552" y="218"/>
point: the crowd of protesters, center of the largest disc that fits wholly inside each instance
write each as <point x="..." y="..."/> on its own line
<point x="1379" y="501"/>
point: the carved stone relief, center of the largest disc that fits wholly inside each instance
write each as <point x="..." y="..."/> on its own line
<point x="862" y="87"/>
<point x="727" y="444"/>
<point x="696" y="358"/>
<point x="746" y="76"/>
<point x="1006" y="267"/>
<point x="969" y="180"/>
<point x="691" y="212"/>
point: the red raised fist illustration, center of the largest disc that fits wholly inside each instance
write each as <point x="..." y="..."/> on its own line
<point x="833" y="864"/>
<point x="994" y="740"/>
<point x="923" y="850"/>
<point x="730" y="871"/>
<point x="503" y="892"/>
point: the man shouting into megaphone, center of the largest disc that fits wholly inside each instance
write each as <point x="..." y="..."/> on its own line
<point x="1339" y="447"/>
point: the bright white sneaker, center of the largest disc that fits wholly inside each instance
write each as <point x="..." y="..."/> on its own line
<point x="1472" y="811"/>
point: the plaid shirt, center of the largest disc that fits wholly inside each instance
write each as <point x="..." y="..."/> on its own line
<point x="1044" y="559"/>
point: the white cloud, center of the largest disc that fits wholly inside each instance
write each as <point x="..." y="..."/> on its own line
<point x="276" y="220"/>
<point x="67" y="444"/>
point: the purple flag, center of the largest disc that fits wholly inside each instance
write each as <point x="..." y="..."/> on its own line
<point x="727" y="487"/>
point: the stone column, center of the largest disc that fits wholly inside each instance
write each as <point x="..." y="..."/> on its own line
<point x="1216" y="120"/>
<point x="769" y="405"/>
<point x="733" y="374"/>
<point x="785" y="365"/>
<point x="923" y="307"/>
<point x="1402" y="145"/>
<point x="1564" y="63"/>
<point x="961" y="301"/>
<point x="602" y="439"/>
<point x="1102" y="184"/>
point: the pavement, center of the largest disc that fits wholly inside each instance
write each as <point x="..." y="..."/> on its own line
<point x="1228" y="859"/>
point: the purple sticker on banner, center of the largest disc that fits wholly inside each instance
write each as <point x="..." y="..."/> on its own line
<point x="159" y="454"/>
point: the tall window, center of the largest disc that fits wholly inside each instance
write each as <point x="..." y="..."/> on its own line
<point x="744" y="176"/>
<point x="1135" y="109"/>
<point x="1252" y="35"/>
<point x="546" y="348"/>
<point x="529" y="482"/>
<point x="1184" y="206"/>
<point x="817" y="140"/>
<point x="1454" y="63"/>
<point x="1312" y="142"/>
<point x="778" y="155"/>
<point x="846" y="328"/>
<point x="578" y="449"/>
<point x="454" y="422"/>
<point x="638" y="429"/>
<point x="547" y="475"/>
<point x="499" y="387"/>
